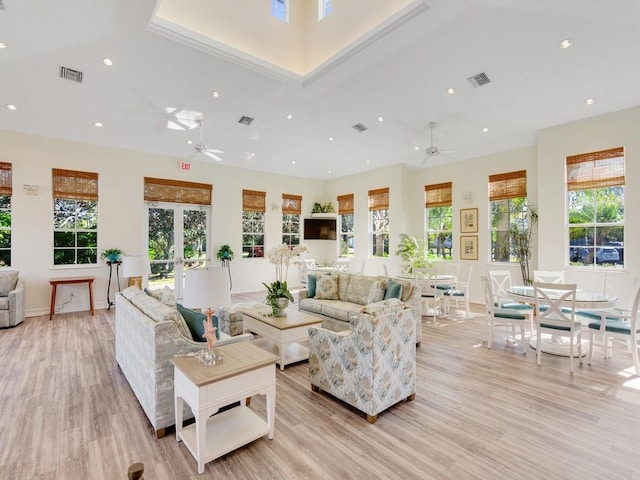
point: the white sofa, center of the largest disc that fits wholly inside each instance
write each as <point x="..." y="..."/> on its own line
<point x="354" y="292"/>
<point x="147" y="337"/>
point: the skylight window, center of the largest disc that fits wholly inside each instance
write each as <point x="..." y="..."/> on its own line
<point x="324" y="8"/>
<point x="280" y="10"/>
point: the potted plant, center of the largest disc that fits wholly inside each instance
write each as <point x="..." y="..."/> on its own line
<point x="278" y="294"/>
<point x="411" y="250"/>
<point x="521" y="237"/>
<point x="112" y="254"/>
<point x="225" y="254"/>
<point x="323" y="209"/>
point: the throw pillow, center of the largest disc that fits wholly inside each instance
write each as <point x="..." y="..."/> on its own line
<point x="327" y="287"/>
<point x="165" y="295"/>
<point x="194" y="322"/>
<point x="376" y="292"/>
<point x="394" y="290"/>
<point x="384" y="307"/>
<point x="311" y="285"/>
<point x="8" y="281"/>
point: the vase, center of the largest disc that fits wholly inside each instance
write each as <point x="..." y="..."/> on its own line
<point x="283" y="303"/>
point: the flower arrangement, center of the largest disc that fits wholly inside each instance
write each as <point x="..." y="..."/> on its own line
<point x="282" y="257"/>
<point x="112" y="254"/>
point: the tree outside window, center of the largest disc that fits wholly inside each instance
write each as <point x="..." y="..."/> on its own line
<point x="439" y="220"/>
<point x="345" y="211"/>
<point x="291" y="212"/>
<point x="508" y="214"/>
<point x="379" y="221"/>
<point x="253" y="223"/>
<point x="5" y="214"/>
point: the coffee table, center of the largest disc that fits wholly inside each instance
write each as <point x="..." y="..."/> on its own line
<point x="281" y="335"/>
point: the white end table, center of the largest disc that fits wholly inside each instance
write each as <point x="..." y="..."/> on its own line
<point x="246" y="370"/>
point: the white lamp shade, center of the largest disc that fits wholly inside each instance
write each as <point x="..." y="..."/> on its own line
<point x="135" y="266"/>
<point x="206" y="287"/>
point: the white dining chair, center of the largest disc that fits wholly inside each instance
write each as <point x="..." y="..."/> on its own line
<point x="500" y="281"/>
<point x="556" y="316"/>
<point x="459" y="292"/>
<point x="431" y="296"/>
<point x="548" y="276"/>
<point x="499" y="317"/>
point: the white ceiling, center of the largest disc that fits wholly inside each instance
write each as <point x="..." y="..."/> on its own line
<point x="402" y="77"/>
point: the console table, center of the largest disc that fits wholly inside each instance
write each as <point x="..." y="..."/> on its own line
<point x="245" y="370"/>
<point x="66" y="281"/>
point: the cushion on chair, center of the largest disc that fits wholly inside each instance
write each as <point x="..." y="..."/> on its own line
<point x="165" y="295"/>
<point x="614" y="326"/>
<point x="194" y="322"/>
<point x="326" y="287"/>
<point x="594" y="315"/>
<point x="564" y="328"/>
<point x="508" y="313"/>
<point x="516" y="306"/>
<point x="454" y="293"/>
<point x="8" y="281"/>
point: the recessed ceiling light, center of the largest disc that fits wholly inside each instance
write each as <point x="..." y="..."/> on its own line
<point x="252" y="154"/>
<point x="293" y="162"/>
<point x="189" y="142"/>
<point x="485" y="129"/>
<point x="331" y="139"/>
<point x="380" y="119"/>
<point x="329" y="172"/>
<point x="289" y="116"/>
<point x="566" y="43"/>
<point x="3" y="45"/>
<point x="98" y="124"/>
<point x="107" y="61"/>
<point x="11" y="106"/>
<point x="416" y="148"/>
<point x="215" y="94"/>
<point x="450" y="91"/>
<point x="590" y="101"/>
<point x="368" y="161"/>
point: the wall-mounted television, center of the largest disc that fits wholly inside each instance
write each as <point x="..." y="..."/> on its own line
<point x="320" y="229"/>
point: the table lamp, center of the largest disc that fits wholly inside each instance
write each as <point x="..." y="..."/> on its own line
<point x="135" y="267"/>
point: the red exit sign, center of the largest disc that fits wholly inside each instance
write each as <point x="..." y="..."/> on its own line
<point x="185" y="166"/>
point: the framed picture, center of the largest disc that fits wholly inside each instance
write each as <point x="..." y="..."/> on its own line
<point x="468" y="220"/>
<point x="469" y="247"/>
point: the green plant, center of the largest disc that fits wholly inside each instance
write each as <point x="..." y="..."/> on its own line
<point x="111" y="254"/>
<point x="225" y="253"/>
<point x="521" y="236"/>
<point x="410" y="249"/>
<point x="326" y="207"/>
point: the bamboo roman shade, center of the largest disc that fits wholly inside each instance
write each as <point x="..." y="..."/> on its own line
<point x="5" y="179"/>
<point x="291" y="204"/>
<point x="508" y="185"/>
<point x="253" y="201"/>
<point x="438" y="195"/>
<point x="74" y="185"/>
<point x="379" y="199"/>
<point x="596" y="170"/>
<point x="345" y="204"/>
<point x="175" y="191"/>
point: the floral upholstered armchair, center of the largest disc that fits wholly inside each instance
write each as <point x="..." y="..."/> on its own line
<point x="371" y="366"/>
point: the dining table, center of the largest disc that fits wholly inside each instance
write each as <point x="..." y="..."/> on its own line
<point x="585" y="299"/>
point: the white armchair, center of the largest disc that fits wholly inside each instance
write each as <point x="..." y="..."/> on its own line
<point x="12" y="293"/>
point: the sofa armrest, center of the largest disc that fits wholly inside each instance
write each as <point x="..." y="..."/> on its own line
<point x="16" y="299"/>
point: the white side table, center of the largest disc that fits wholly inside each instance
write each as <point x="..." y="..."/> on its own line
<point x="246" y="370"/>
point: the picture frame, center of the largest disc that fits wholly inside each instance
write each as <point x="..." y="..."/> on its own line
<point x="469" y="247"/>
<point x="468" y="220"/>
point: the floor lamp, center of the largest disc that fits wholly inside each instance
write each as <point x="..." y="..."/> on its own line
<point x="135" y="267"/>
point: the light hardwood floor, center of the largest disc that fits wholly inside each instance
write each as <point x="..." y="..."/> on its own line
<point x="67" y="412"/>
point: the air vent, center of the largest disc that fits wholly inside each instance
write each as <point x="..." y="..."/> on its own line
<point x="245" y="120"/>
<point x="479" y="80"/>
<point x="71" y="74"/>
<point x="358" y="127"/>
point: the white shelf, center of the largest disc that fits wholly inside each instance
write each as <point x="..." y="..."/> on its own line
<point x="293" y="352"/>
<point x="226" y="432"/>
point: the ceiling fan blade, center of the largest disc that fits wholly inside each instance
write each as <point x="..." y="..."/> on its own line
<point x="209" y="153"/>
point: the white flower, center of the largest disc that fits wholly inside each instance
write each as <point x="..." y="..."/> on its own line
<point x="282" y="257"/>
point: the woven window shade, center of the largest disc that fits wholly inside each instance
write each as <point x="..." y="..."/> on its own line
<point x="379" y="199"/>
<point x="175" y="191"/>
<point x="508" y="185"/>
<point x="6" y="183"/>
<point x="438" y="195"/>
<point x="345" y="204"/>
<point x="74" y="185"/>
<point x="596" y="170"/>
<point x="291" y="204"/>
<point x="253" y="201"/>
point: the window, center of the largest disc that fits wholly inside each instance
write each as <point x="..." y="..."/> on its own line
<point x="253" y="208"/>
<point x="291" y="211"/>
<point x="439" y="220"/>
<point x="345" y="210"/>
<point x="595" y="208"/>
<point x="6" y="190"/>
<point x="379" y="224"/>
<point x="508" y="207"/>
<point x="324" y="8"/>
<point x="75" y="217"/>
<point x="280" y="10"/>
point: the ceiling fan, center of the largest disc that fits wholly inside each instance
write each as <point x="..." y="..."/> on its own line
<point x="432" y="150"/>
<point x="202" y="148"/>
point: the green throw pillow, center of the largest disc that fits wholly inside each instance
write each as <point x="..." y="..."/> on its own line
<point x="194" y="322"/>
<point x="311" y="285"/>
<point x="394" y="290"/>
